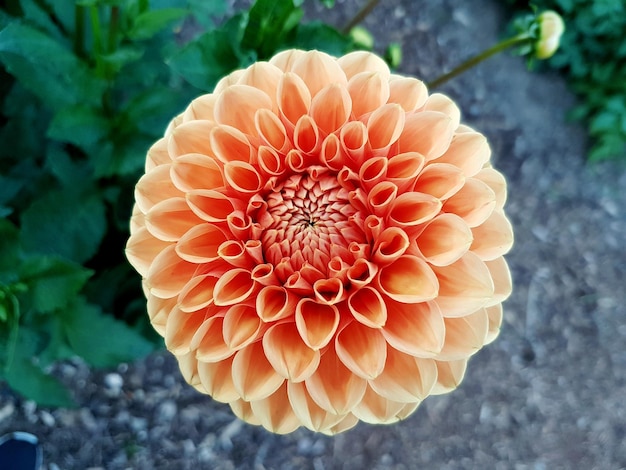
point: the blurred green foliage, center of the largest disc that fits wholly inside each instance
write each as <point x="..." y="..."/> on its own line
<point x="86" y="86"/>
<point x="593" y="57"/>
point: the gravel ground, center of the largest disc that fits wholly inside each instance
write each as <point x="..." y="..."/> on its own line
<point x="548" y="394"/>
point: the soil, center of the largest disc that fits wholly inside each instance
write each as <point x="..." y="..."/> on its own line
<point x="548" y="394"/>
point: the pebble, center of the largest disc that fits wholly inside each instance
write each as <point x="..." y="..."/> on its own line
<point x="6" y="411"/>
<point x="113" y="383"/>
<point x="166" y="411"/>
<point x="47" y="418"/>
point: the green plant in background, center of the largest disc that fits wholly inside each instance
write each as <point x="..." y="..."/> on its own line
<point x="86" y="87"/>
<point x="593" y="57"/>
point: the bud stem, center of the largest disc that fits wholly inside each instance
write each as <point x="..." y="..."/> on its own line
<point x="360" y="16"/>
<point x="471" y="62"/>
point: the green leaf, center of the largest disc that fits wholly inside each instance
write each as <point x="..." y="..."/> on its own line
<point x="151" y="22"/>
<point x="317" y="35"/>
<point x="211" y="56"/>
<point x="48" y="69"/>
<point x="9" y="251"/>
<point x="66" y="170"/>
<point x="52" y="282"/>
<point x="122" y="56"/>
<point x="80" y="125"/>
<point x="99" y="339"/>
<point x="269" y="23"/>
<point x="66" y="223"/>
<point x="204" y="11"/>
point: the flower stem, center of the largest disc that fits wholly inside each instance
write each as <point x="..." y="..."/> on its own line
<point x="471" y="62"/>
<point x="360" y="16"/>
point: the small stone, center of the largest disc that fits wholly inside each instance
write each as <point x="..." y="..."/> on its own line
<point x="166" y="411"/>
<point x="6" y="411"/>
<point x="47" y="418"/>
<point x="113" y="383"/>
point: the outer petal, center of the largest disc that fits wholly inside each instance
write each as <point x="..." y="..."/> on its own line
<point x="311" y="415"/>
<point x="361" y="349"/>
<point x="253" y="375"/>
<point x="274" y="413"/>
<point x="288" y="354"/>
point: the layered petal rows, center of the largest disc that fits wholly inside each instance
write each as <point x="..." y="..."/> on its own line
<point x="321" y="242"/>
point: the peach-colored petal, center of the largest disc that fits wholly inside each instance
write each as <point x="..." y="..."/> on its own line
<point x="384" y="126"/>
<point x="331" y="108"/>
<point x="333" y="386"/>
<point x="262" y="76"/>
<point x="158" y="310"/>
<point x="368" y="307"/>
<point x="141" y="249"/>
<point x="329" y="291"/>
<point x="495" y="321"/>
<point x="169" y="273"/>
<point x="230" y="144"/>
<point x="197" y="293"/>
<point x="428" y="133"/>
<point x="306" y="136"/>
<point x="369" y="91"/>
<point x="271" y="130"/>
<point x="348" y="422"/>
<point x="361" y="349"/>
<point x="234" y="287"/>
<point x="464" y="286"/>
<point x="288" y="354"/>
<point x="317" y="323"/>
<point x="412" y="209"/>
<point x="294" y="98"/>
<point x="414" y="329"/>
<point x="496" y="182"/>
<point x="501" y="276"/>
<point x="441" y="180"/>
<point x="331" y="154"/>
<point x="242" y="177"/>
<point x="465" y="335"/>
<point x="382" y="197"/>
<point x="237" y="105"/>
<point x="210" y="205"/>
<point x="468" y="151"/>
<point x="241" y="326"/>
<point x="284" y="60"/>
<point x="474" y="202"/>
<point x="217" y="380"/>
<point x="196" y="171"/>
<point x="208" y="342"/>
<point x="443" y="104"/>
<point x="201" y="108"/>
<point x="492" y="238"/>
<point x="317" y="70"/>
<point x="392" y="243"/>
<point x="154" y="187"/>
<point x="444" y="240"/>
<point x="404" y="168"/>
<point x="375" y="409"/>
<point x="363" y="61"/>
<point x="189" y="369"/>
<point x="361" y="273"/>
<point x="353" y="138"/>
<point x="157" y="155"/>
<point x="180" y="329"/>
<point x="308" y="412"/>
<point x="405" y="378"/>
<point x="227" y="81"/>
<point x="191" y="137"/>
<point x="273" y="413"/>
<point x="243" y="410"/>
<point x="408" y="279"/>
<point x="449" y="375"/>
<point x="373" y="171"/>
<point x="170" y="219"/>
<point x="408" y="92"/>
<point x="274" y="303"/>
<point x="270" y="161"/>
<point x="258" y="382"/>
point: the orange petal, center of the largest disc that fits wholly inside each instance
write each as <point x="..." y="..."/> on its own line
<point x="158" y="310"/>
<point x="411" y="209"/>
<point x="141" y="249"/>
<point x="368" y="307"/>
<point x="154" y="187"/>
<point x="271" y="130"/>
<point x="331" y="108"/>
<point x="409" y="280"/>
<point x="382" y="197"/>
<point x="390" y="245"/>
<point x="496" y="182"/>
<point x="361" y="349"/>
<point x="210" y="205"/>
<point x="306" y="136"/>
<point x="191" y="137"/>
<point x="464" y="286"/>
<point x="465" y="335"/>
<point x="361" y="273"/>
<point x="408" y="92"/>
<point x="353" y="138"/>
<point x="196" y="171"/>
<point x="403" y="169"/>
<point x="308" y="412"/>
<point x="332" y="154"/>
<point x="171" y="219"/>
<point x="294" y="98"/>
<point x="288" y="354"/>
<point x="201" y="108"/>
<point x="237" y="105"/>
<point x="375" y="409"/>
<point x="474" y="202"/>
<point x="501" y="276"/>
<point x="385" y="125"/>
<point x="318" y="69"/>
<point x="241" y="326"/>
<point x="263" y="76"/>
<point x="369" y="91"/>
<point x="168" y="273"/>
<point x="230" y="144"/>
<point x="284" y="60"/>
<point x="189" y="369"/>
<point x="444" y="240"/>
<point x="428" y="133"/>
<point x="242" y="177"/>
<point x="492" y="238"/>
<point x="180" y="329"/>
<point x="317" y="323"/>
<point x="449" y="375"/>
<point x="217" y="380"/>
<point x="441" y="103"/>
<point x="209" y="340"/>
<point x="334" y="387"/>
<point x="495" y="321"/>
<point x="197" y="293"/>
<point x="253" y="376"/>
<point x="274" y="413"/>
<point x="227" y="81"/>
<point x="405" y="378"/>
<point x="441" y="180"/>
<point x="357" y="62"/>
<point x="243" y="410"/>
<point x="468" y="151"/>
<point x="233" y="287"/>
<point x="270" y="161"/>
<point x="200" y="244"/>
<point x="414" y="329"/>
<point x="329" y="291"/>
<point x="373" y="170"/>
<point x="348" y="422"/>
<point x="274" y="303"/>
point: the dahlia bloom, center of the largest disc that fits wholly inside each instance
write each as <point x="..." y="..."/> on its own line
<point x="321" y="242"/>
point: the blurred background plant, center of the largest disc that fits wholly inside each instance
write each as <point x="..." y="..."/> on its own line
<point x="593" y="58"/>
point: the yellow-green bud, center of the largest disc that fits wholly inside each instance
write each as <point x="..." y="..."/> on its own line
<point x="551" y="29"/>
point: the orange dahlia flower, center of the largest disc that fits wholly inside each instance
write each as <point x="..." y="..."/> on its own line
<point x="321" y="242"/>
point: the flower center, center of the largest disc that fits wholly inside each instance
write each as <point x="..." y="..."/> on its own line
<point x="309" y="228"/>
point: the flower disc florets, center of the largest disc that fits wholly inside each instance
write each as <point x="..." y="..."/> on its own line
<point x="321" y="242"/>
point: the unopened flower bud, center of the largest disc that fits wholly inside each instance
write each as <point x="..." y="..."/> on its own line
<point x="551" y="29"/>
